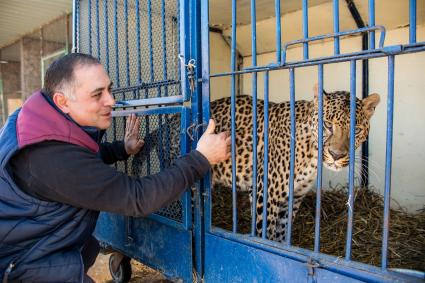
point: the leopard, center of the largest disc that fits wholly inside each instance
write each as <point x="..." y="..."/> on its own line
<point x="336" y="143"/>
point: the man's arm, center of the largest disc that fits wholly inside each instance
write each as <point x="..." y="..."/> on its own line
<point x="71" y="174"/>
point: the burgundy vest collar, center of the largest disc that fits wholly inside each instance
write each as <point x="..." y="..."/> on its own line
<point x="38" y="121"/>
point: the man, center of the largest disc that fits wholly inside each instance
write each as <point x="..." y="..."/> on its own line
<point x="55" y="178"/>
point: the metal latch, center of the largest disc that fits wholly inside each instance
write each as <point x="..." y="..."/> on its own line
<point x="192" y="129"/>
<point x="190" y="68"/>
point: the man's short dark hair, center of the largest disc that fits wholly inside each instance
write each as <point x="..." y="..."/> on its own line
<point x="59" y="76"/>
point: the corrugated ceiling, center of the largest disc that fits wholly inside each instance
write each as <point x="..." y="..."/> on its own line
<point x="19" y="17"/>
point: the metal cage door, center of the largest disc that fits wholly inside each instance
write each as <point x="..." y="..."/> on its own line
<point x="144" y="48"/>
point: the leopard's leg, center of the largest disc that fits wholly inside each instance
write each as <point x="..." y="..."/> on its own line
<point x="272" y="211"/>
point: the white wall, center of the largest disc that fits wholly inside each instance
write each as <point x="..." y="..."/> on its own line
<point x="408" y="176"/>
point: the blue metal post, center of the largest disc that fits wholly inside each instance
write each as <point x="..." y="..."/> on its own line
<point x="350" y="201"/>
<point x="97" y="29"/>
<point x="206" y="95"/>
<point x="336" y="26"/>
<point x="388" y="161"/>
<point x="319" y="159"/>
<point x="412" y="21"/>
<point x="372" y="23"/>
<point x="278" y="31"/>
<point x="254" y="117"/>
<point x="117" y="62"/>
<point x="106" y="34"/>
<point x="233" y="116"/>
<point x="305" y="28"/>
<point x="266" y="153"/>
<point x="164" y="44"/>
<point x="75" y="25"/>
<point x="89" y="26"/>
<point x="292" y="155"/>
<point x="139" y="60"/>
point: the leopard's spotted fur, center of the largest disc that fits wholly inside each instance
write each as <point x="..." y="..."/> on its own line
<point x="336" y="117"/>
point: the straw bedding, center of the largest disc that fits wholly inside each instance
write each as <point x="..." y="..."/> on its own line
<point x="407" y="231"/>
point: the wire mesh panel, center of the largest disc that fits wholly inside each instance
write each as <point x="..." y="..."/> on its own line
<point x="162" y="146"/>
<point x="136" y="41"/>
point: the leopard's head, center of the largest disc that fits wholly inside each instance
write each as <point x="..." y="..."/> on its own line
<point x="336" y="125"/>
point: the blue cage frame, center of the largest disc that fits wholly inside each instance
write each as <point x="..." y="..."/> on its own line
<point x="264" y="261"/>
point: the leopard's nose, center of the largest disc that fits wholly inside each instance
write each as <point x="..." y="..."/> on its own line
<point x="336" y="154"/>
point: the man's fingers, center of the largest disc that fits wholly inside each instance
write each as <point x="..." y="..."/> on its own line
<point x="211" y="127"/>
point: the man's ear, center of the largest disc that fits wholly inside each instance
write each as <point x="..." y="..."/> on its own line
<point x="61" y="102"/>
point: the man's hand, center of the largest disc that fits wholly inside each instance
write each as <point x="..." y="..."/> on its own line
<point x="132" y="142"/>
<point x="215" y="147"/>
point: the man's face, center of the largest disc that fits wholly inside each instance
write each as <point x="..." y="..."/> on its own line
<point x="93" y="101"/>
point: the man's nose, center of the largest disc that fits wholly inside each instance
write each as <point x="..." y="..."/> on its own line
<point x="109" y="101"/>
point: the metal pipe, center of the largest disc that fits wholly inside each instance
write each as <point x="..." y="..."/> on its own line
<point x="233" y="117"/>
<point x="292" y="155"/>
<point x="388" y="161"/>
<point x="336" y="26"/>
<point x="254" y="118"/>
<point x="319" y="159"/>
<point x="266" y="153"/>
<point x="350" y="202"/>
<point x="305" y="28"/>
<point x="412" y="21"/>
<point x="278" y="30"/>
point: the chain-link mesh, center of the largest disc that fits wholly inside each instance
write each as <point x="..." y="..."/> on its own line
<point x="136" y="41"/>
<point x="161" y="133"/>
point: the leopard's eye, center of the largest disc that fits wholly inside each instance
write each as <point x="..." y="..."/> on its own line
<point x="358" y="131"/>
<point x="328" y="125"/>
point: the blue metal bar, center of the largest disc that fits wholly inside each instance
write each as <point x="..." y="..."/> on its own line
<point x="148" y="111"/>
<point x="127" y="55"/>
<point x="206" y="97"/>
<point x="184" y="45"/>
<point x="292" y="155"/>
<point x="278" y="30"/>
<point x="97" y="29"/>
<point x="139" y="60"/>
<point x="164" y="45"/>
<point x="350" y="201"/>
<point x="412" y="21"/>
<point x="152" y="74"/>
<point x="89" y="27"/>
<point x="321" y="37"/>
<point x="372" y="23"/>
<point x="254" y="118"/>
<point x="184" y="148"/>
<point x="150" y="101"/>
<point x="233" y="117"/>
<point x="127" y="59"/>
<point x="117" y="62"/>
<point x="106" y="34"/>
<point x="319" y="159"/>
<point x="305" y="28"/>
<point x="75" y="25"/>
<point x="336" y="26"/>
<point x="362" y="55"/>
<point x="388" y="161"/>
<point x="266" y="154"/>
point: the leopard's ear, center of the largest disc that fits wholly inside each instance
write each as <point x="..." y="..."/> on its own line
<point x="369" y="104"/>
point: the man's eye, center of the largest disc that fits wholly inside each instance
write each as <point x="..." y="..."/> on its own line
<point x="96" y="94"/>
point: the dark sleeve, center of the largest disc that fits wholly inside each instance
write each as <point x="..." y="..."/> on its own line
<point x="112" y="152"/>
<point x="73" y="175"/>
